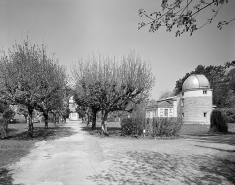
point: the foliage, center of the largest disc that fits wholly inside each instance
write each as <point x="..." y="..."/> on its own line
<point x="139" y="111"/>
<point x="153" y="126"/>
<point x="166" y="94"/>
<point x="159" y="126"/>
<point x="29" y="78"/>
<point x="182" y="15"/>
<point x="229" y="114"/>
<point x="132" y="126"/>
<point x="51" y="95"/>
<point x="110" y="86"/>
<point x="22" y="110"/>
<point x="218" y="122"/>
<point x="8" y="114"/>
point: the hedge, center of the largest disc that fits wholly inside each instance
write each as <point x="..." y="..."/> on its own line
<point x="153" y="127"/>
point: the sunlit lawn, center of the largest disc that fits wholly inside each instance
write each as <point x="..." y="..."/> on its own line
<point x="114" y="128"/>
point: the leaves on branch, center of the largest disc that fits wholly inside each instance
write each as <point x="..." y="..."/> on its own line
<point x="181" y="15"/>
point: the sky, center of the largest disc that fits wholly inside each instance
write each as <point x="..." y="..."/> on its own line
<point x="77" y="28"/>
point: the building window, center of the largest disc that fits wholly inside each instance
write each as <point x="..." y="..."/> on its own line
<point x="166" y="112"/>
<point x="204" y="92"/>
<point x="204" y="114"/>
<point x="182" y="115"/>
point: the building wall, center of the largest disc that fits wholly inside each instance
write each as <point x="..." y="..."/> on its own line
<point x="194" y="108"/>
<point x="196" y="93"/>
<point x="73" y="116"/>
<point x="162" y="112"/>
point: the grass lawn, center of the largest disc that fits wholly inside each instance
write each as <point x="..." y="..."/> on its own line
<point x="114" y="129"/>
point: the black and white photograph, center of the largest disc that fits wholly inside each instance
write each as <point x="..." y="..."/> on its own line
<point x="117" y="92"/>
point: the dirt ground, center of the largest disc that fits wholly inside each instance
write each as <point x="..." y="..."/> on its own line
<point x="85" y="159"/>
<point x="18" y="145"/>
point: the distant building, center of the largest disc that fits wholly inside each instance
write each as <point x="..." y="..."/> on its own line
<point x="163" y="108"/>
<point x="72" y="107"/>
<point x="193" y="104"/>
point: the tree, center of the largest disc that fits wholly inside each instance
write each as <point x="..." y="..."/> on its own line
<point x="25" y="79"/>
<point x="165" y="94"/>
<point x="18" y="74"/>
<point x="182" y="15"/>
<point x="54" y="80"/>
<point x="84" y="77"/>
<point x="114" y="86"/>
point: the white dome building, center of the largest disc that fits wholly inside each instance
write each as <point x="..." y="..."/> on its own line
<point x="196" y="100"/>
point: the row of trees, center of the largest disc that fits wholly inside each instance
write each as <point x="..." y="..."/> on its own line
<point x="32" y="80"/>
<point x="107" y="85"/>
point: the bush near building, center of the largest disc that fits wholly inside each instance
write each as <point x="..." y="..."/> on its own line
<point x="153" y="126"/>
<point x="218" y="122"/>
<point x="132" y="126"/>
<point x="158" y="126"/>
<point x="229" y="114"/>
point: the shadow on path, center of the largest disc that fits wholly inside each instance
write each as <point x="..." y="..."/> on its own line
<point x="6" y="177"/>
<point x="228" y="138"/>
<point x="155" y="168"/>
<point x="41" y="133"/>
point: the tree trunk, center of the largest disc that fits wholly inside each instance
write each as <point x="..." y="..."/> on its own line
<point x="30" y="122"/>
<point x="6" y="125"/>
<point x="64" y="119"/>
<point x="3" y="132"/>
<point x="25" y="116"/>
<point x="45" y="115"/>
<point x="54" y="118"/>
<point x="104" y="115"/>
<point x="94" y="112"/>
<point x="88" y="119"/>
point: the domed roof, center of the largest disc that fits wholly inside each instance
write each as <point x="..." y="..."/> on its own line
<point x="196" y="82"/>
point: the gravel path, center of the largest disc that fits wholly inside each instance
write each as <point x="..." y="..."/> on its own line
<point x="85" y="159"/>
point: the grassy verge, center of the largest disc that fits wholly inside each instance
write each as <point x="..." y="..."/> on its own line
<point x="114" y="130"/>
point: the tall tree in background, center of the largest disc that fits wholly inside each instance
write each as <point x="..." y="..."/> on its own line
<point x="115" y="86"/>
<point x="166" y="94"/>
<point x="183" y="15"/>
<point x="85" y="89"/>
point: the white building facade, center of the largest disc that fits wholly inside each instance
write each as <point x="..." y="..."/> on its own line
<point x="72" y="107"/>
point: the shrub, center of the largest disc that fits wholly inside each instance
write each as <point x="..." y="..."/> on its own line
<point x="163" y="126"/>
<point x="153" y="127"/>
<point x="229" y="114"/>
<point x="218" y="122"/>
<point x="132" y="126"/>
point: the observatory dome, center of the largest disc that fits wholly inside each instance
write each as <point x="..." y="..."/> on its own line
<point x="197" y="81"/>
